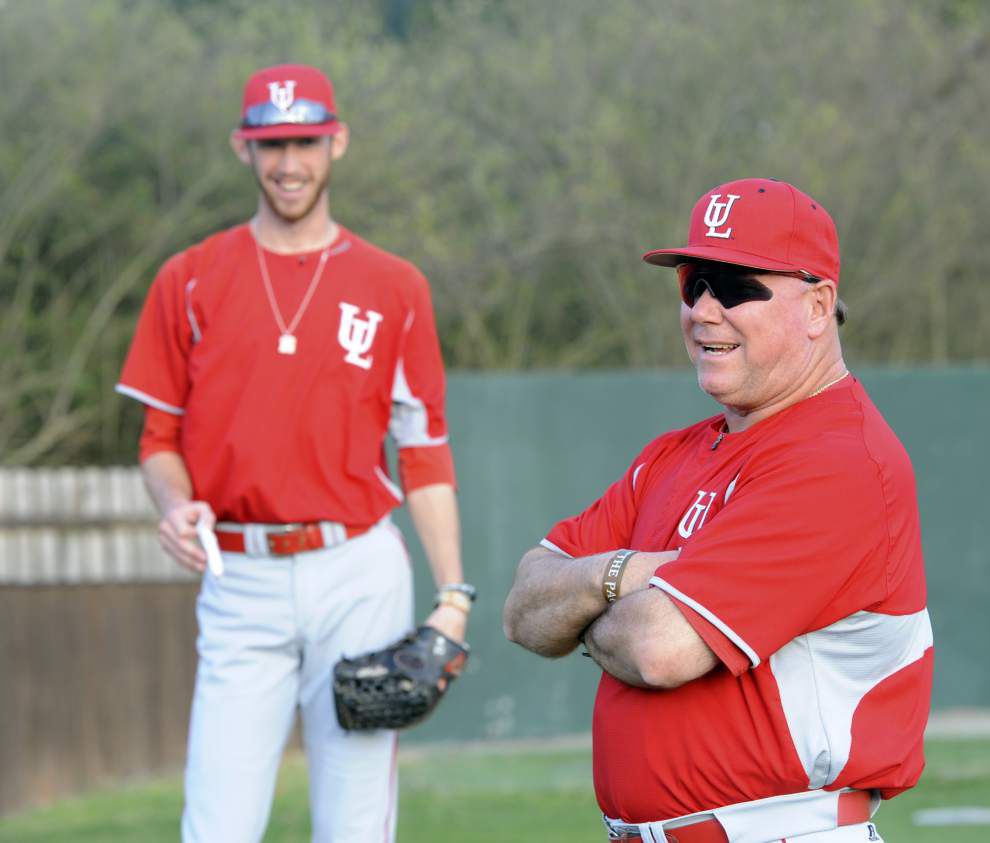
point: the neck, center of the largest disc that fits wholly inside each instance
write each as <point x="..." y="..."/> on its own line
<point x="741" y="418"/>
<point x="314" y="231"/>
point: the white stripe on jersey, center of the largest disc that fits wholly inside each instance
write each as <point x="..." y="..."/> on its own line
<point x="824" y="675"/>
<point x="409" y="422"/>
<point x="144" y="398"/>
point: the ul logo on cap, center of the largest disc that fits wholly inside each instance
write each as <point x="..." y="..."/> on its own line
<point x="282" y="96"/>
<point x="717" y="214"/>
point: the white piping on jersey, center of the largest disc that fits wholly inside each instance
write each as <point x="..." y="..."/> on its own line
<point x="144" y="398"/>
<point x="639" y="468"/>
<point x="730" y="489"/>
<point x="193" y="324"/>
<point x="336" y="250"/>
<point x="393" y="490"/>
<point x="824" y="675"/>
<point x="551" y="546"/>
<point x="409" y="421"/>
<point x="711" y="618"/>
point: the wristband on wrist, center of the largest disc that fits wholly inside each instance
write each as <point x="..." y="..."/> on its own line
<point x="460" y="595"/>
<point x="614" y="570"/>
<point x="462" y="587"/>
<point x="457" y="599"/>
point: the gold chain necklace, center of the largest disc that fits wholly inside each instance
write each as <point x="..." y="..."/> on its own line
<point x="724" y="430"/>
<point x="830" y="383"/>
<point x="287" y="342"/>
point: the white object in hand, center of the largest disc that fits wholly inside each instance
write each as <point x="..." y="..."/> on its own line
<point x="208" y="539"/>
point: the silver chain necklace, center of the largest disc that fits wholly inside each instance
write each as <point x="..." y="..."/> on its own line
<point x="287" y="342"/>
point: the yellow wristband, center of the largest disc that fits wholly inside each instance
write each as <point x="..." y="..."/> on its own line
<point x="457" y="599"/>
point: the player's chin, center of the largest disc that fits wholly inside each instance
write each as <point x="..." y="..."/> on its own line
<point x="291" y="208"/>
<point x="291" y="211"/>
<point x="715" y="381"/>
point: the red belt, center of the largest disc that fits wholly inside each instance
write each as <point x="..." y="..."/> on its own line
<point x="285" y="540"/>
<point x="854" y="808"/>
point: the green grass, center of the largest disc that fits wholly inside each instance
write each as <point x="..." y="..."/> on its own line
<point x="481" y="795"/>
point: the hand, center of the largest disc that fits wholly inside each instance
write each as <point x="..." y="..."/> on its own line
<point x="450" y="621"/>
<point x="641" y="568"/>
<point x="177" y="533"/>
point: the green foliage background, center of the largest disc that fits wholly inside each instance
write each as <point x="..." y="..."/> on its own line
<point x="524" y="154"/>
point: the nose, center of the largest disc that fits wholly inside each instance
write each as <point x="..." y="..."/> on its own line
<point x="288" y="160"/>
<point x="706" y="307"/>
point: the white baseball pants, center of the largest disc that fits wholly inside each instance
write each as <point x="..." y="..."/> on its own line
<point x="270" y="630"/>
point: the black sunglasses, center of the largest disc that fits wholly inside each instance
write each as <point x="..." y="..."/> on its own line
<point x="730" y="285"/>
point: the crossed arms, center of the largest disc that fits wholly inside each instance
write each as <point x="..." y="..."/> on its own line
<point x="642" y="638"/>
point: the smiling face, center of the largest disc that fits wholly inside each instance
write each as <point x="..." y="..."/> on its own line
<point x="293" y="173"/>
<point x="758" y="356"/>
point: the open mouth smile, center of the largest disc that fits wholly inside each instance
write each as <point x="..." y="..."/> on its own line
<point x="718" y="348"/>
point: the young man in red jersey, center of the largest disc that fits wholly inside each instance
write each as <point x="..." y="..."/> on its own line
<point x="272" y="359"/>
<point x="753" y="587"/>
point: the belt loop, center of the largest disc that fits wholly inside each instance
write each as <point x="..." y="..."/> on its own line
<point x="652" y="832"/>
<point x="255" y="540"/>
<point x="333" y="533"/>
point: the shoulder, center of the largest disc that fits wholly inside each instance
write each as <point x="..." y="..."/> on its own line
<point x="843" y="437"/>
<point x="183" y="266"/>
<point x="383" y="264"/>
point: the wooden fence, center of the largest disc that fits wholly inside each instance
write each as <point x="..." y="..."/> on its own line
<point x="79" y="525"/>
<point x="98" y="632"/>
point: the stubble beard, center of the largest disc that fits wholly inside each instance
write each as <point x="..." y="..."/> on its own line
<point x="293" y="217"/>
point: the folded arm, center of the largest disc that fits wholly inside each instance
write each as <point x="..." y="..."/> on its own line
<point x="644" y="640"/>
<point x="555" y="597"/>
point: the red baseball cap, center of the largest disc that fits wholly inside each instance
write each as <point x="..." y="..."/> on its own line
<point x="288" y="101"/>
<point x="759" y="223"/>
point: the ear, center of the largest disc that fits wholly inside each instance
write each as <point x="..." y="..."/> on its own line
<point x="339" y="141"/>
<point x="241" y="148"/>
<point x="822" y="298"/>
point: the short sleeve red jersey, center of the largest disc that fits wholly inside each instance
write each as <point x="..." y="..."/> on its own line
<point x="801" y="567"/>
<point x="272" y="437"/>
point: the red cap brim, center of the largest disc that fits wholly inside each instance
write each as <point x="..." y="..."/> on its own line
<point x="719" y="254"/>
<point x="289" y="130"/>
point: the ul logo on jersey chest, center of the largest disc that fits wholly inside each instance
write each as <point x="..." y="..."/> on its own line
<point x="694" y="518"/>
<point x="356" y="335"/>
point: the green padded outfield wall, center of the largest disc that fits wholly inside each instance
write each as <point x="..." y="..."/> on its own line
<point x="533" y="448"/>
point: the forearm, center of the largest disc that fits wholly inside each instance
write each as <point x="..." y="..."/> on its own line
<point x="434" y="514"/>
<point x="553" y="599"/>
<point x="613" y="641"/>
<point x="433" y="510"/>
<point x="167" y="480"/>
<point x="645" y="641"/>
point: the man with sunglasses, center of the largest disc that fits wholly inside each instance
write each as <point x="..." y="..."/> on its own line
<point x="753" y="586"/>
<point x="268" y="395"/>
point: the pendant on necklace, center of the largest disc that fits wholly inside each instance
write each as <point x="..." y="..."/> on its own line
<point x="287" y="344"/>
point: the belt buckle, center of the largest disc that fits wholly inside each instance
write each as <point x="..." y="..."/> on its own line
<point x="286" y="539"/>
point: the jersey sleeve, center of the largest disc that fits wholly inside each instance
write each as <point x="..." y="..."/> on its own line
<point x="155" y="371"/>
<point x="161" y="432"/>
<point x="426" y="466"/>
<point x="800" y="544"/>
<point x="418" y="387"/>
<point x="608" y="523"/>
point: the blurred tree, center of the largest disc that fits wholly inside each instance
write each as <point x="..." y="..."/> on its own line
<point x="524" y="154"/>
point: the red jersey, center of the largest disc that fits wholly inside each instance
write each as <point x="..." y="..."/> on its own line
<point x="278" y="438"/>
<point x="801" y="567"/>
